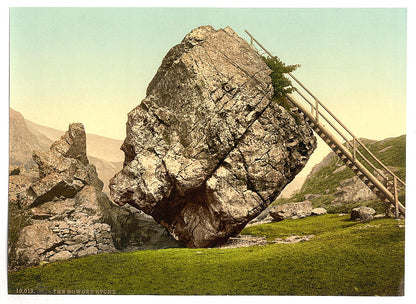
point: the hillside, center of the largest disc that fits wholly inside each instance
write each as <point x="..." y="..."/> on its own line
<point x="22" y="141"/>
<point x="25" y="136"/>
<point x="330" y="183"/>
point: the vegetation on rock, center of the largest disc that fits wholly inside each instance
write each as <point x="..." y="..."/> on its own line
<point x="282" y="85"/>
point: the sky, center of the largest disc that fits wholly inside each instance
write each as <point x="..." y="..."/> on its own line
<point x="92" y="65"/>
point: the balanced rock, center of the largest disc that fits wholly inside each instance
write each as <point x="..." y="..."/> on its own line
<point x="291" y="210"/>
<point x="208" y="149"/>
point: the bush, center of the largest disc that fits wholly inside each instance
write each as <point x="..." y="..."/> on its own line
<point x="281" y="84"/>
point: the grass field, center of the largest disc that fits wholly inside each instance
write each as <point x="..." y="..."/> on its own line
<point x="344" y="258"/>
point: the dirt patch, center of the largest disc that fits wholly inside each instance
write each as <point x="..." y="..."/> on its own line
<point x="243" y="241"/>
<point x="293" y="239"/>
<point x="249" y="240"/>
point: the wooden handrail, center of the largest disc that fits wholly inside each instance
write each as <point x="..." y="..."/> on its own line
<point x="354" y="148"/>
<point x="349" y="156"/>
<point x="319" y="113"/>
<point x="317" y="105"/>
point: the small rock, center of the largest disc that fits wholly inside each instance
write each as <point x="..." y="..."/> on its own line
<point x="87" y="251"/>
<point x="60" y="256"/>
<point x="319" y="211"/>
<point x="74" y="248"/>
<point x="291" y="210"/>
<point x="81" y="238"/>
<point x="362" y="214"/>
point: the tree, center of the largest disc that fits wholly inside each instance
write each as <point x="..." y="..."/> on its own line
<point x="281" y="84"/>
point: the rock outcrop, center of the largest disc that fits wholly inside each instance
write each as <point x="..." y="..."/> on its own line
<point x="352" y="190"/>
<point x="207" y="149"/>
<point x="63" y="213"/>
<point x="291" y="210"/>
<point x="26" y="136"/>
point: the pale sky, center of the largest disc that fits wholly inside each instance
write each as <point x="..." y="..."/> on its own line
<point x="92" y="65"/>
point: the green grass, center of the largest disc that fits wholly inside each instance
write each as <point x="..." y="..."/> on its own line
<point x="344" y="258"/>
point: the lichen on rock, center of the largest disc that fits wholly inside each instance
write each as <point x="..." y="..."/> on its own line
<point x="208" y="149"/>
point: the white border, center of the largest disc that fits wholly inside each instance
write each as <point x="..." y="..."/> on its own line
<point x="411" y="137"/>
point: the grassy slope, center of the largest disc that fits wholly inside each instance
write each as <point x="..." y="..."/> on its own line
<point x="344" y="258"/>
<point x="325" y="181"/>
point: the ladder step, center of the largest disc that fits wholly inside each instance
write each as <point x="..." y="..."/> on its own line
<point x="356" y="170"/>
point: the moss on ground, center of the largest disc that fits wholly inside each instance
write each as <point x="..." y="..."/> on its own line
<point x="344" y="258"/>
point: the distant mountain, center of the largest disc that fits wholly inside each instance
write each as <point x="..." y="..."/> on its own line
<point x="101" y="147"/>
<point x="22" y="141"/>
<point x="332" y="185"/>
<point x="26" y="136"/>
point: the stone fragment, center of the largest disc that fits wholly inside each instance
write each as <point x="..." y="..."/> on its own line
<point x="34" y="240"/>
<point x="291" y="210"/>
<point x="319" y="211"/>
<point x="61" y="256"/>
<point x="87" y="251"/>
<point x="362" y="214"/>
<point x="73" y="144"/>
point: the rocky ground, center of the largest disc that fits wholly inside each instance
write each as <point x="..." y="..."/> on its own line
<point x="57" y="210"/>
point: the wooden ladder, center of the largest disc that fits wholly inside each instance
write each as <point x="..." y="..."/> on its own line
<point x="346" y="146"/>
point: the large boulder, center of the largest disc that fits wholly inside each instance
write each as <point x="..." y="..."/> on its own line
<point x="208" y="149"/>
<point x="291" y="210"/>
